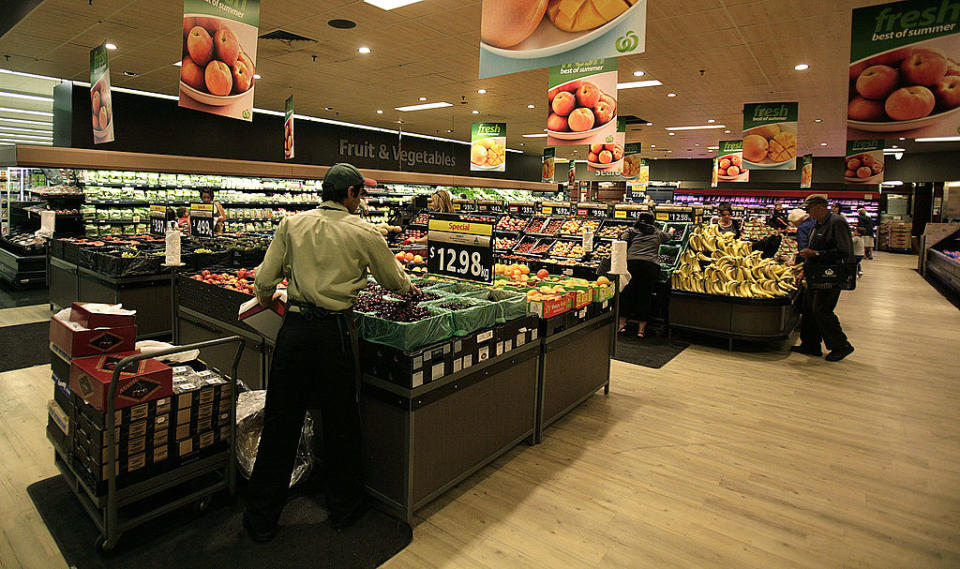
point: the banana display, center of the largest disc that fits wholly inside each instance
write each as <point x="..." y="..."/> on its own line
<point x="718" y="263"/>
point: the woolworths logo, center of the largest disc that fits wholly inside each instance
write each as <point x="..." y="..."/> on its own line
<point x="627" y="42"/>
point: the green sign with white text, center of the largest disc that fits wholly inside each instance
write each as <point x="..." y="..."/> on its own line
<point x="770" y="136"/>
<point x="488" y="146"/>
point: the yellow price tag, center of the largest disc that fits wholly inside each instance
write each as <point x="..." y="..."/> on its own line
<point x="546" y="210"/>
<point x="456" y="206"/>
<point x="663" y="216"/>
<point x="620" y="214"/>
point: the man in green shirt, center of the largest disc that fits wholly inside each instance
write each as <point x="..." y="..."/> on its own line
<point x="324" y="254"/>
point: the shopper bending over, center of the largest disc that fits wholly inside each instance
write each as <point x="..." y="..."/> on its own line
<point x="726" y="221"/>
<point x="830" y="243"/>
<point x="324" y="253"/>
<point x="865" y="224"/>
<point x="804" y="223"/>
<point x="643" y="247"/>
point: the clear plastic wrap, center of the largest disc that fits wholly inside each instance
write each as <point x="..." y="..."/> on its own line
<point x="474" y="315"/>
<point x="510" y="305"/>
<point x="250" y="406"/>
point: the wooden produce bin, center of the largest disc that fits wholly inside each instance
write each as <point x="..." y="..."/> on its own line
<point x="418" y="443"/>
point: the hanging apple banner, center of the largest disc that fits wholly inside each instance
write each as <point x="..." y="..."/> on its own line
<point x="864" y="162"/>
<point x="806" y="171"/>
<point x="533" y="34"/>
<point x="288" y="128"/>
<point x="770" y="136"/>
<point x="549" y="165"/>
<point x="219" y="57"/>
<point x="904" y="70"/>
<point x="101" y="105"/>
<point x="488" y="146"/>
<point x="582" y="101"/>
<point x="606" y="159"/>
<point x="730" y="167"/>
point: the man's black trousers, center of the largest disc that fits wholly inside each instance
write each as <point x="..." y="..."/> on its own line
<point x="819" y="322"/>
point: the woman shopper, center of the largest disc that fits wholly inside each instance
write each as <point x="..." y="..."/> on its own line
<point x="865" y="225"/>
<point x="643" y="246"/>
<point x="441" y="207"/>
<point x="725" y="220"/>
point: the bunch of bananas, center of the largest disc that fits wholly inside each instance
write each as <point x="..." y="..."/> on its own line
<point x="718" y="263"/>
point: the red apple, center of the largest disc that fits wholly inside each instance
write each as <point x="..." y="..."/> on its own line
<point x="853" y="164"/>
<point x="605" y="157"/>
<point x="924" y="67"/>
<point x="867" y="160"/>
<point x="200" y="46"/>
<point x="564" y="103"/>
<point x="948" y="92"/>
<point x="227" y="46"/>
<point x="721" y="171"/>
<point x="593" y="157"/>
<point x="604" y="112"/>
<point x="735" y="160"/>
<point x="552" y="93"/>
<point x="860" y="109"/>
<point x="733" y="171"/>
<point x="724" y="164"/>
<point x="191" y="74"/>
<point x="580" y="120"/>
<point x="218" y="78"/>
<point x="864" y="172"/>
<point x="557" y="123"/>
<point x="908" y="103"/>
<point x="609" y="101"/>
<point x="588" y="94"/>
<point x="849" y="173"/>
<point x="953" y="68"/>
<point x="596" y="148"/>
<point x="877" y="167"/>
<point x="241" y="79"/>
<point x="877" y="81"/>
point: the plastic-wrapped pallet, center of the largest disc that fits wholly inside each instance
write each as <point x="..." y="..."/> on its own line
<point x="250" y="405"/>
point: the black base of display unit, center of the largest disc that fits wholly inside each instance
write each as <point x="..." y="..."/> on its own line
<point x="23" y="271"/>
<point x="735" y="318"/>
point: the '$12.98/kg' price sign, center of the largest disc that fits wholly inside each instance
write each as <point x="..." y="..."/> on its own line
<point x="460" y="249"/>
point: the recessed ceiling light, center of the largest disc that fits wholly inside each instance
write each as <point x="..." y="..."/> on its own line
<point x="481" y="91"/>
<point x="902" y="138"/>
<point x="379" y="111"/>
<point x="391" y="4"/>
<point x="130" y="73"/>
<point x="671" y="94"/>
<point x="801" y="66"/>
<point x="696" y="144"/>
<point x="110" y="46"/>
<point x="638" y="73"/>
<point x="342" y="24"/>
<point x="328" y="108"/>
<point x="449" y="130"/>
<point x="535" y="135"/>
<point x="698" y="127"/>
<point x="894" y="147"/>
<point x="635" y="84"/>
<point x="423" y="107"/>
<point x="711" y="121"/>
<point x="363" y="49"/>
<point x="521" y="144"/>
<point x="27" y="97"/>
<point x="653" y="146"/>
<point x="672" y="133"/>
<point x="531" y="106"/>
<point x="423" y="98"/>
<point x="475" y="112"/>
<point x="178" y="63"/>
<point x="823" y="144"/>
<point x="649" y="124"/>
<point x="669" y="150"/>
<point x="817" y="120"/>
<point x="256" y="76"/>
<point x="727" y="131"/>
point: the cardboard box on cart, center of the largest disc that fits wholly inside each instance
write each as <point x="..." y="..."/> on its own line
<point x="144" y="381"/>
<point x="75" y="341"/>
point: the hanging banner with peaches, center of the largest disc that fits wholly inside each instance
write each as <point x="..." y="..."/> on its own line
<point x="904" y="70"/>
<point x="730" y="167"/>
<point x="101" y="106"/>
<point x="519" y="35"/>
<point x="806" y="171"/>
<point x="582" y="100"/>
<point x="488" y="146"/>
<point x="770" y="136"/>
<point x="288" y="128"/>
<point x="606" y="159"/>
<point x="219" y="56"/>
<point x="864" y="162"/>
<point x="549" y="166"/>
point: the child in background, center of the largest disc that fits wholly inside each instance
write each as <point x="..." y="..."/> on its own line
<point x="183" y="220"/>
<point x="858" y="249"/>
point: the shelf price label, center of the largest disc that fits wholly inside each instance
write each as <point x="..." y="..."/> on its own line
<point x="514" y="209"/>
<point x="599" y="212"/>
<point x="582" y="212"/>
<point x="158" y="219"/>
<point x="201" y="219"/>
<point x="462" y="249"/>
<point x="620" y="214"/>
<point x="526" y="209"/>
<point x="496" y="208"/>
<point x="561" y="210"/>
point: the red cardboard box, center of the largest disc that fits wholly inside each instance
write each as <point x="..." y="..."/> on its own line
<point x="79" y="343"/>
<point x="144" y="381"/>
<point x="87" y="319"/>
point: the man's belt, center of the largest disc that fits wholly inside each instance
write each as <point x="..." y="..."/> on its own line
<point x="314" y="312"/>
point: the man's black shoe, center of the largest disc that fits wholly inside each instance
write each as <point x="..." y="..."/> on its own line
<point x="839" y="353"/>
<point x="259" y="535"/>
<point x="801" y="349"/>
<point x="344" y="521"/>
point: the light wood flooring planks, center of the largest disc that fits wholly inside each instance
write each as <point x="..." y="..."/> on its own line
<point x="721" y="460"/>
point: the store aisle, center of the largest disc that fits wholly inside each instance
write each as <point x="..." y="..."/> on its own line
<point x="718" y="459"/>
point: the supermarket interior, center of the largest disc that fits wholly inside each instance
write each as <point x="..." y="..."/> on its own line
<point x="479" y="284"/>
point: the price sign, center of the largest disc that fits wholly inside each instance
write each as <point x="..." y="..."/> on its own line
<point x="582" y="212"/>
<point x="528" y="209"/>
<point x="158" y="219"/>
<point x="562" y="210"/>
<point x="546" y="210"/>
<point x="483" y="207"/>
<point x="599" y="212"/>
<point x="514" y="209"/>
<point x="462" y="249"/>
<point x="620" y="214"/>
<point x="201" y="219"/>
<point x="663" y="216"/>
<point x="456" y="207"/>
<point x="496" y="208"/>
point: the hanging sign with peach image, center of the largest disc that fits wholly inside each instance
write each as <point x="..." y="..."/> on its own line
<point x="770" y="136"/>
<point x="864" y="162"/>
<point x="101" y="106"/>
<point x="730" y="167"/>
<point x="549" y="165"/>
<point x="582" y="103"/>
<point x="606" y="159"/>
<point x="288" y="128"/>
<point x="519" y="35"/>
<point x="218" y="62"/>
<point x="488" y="146"/>
<point x="806" y="170"/>
<point x="904" y="75"/>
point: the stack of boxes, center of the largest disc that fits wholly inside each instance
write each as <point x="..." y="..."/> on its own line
<point x="164" y="417"/>
<point x="898" y="237"/>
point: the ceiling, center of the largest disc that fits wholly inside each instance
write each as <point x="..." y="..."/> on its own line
<point x="714" y="54"/>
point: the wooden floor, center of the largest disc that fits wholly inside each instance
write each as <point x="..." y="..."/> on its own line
<point x="740" y="460"/>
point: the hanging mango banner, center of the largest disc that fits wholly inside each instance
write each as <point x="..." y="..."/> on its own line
<point x="606" y="159"/>
<point x="635" y="167"/>
<point x="806" y="170"/>
<point x="219" y="58"/>
<point x="519" y="36"/>
<point x="904" y="74"/>
<point x="101" y="103"/>
<point x="549" y="166"/>
<point x="488" y="146"/>
<point x="288" y="128"/>
<point x="730" y="166"/>
<point x="770" y="136"/>
<point x="582" y="101"/>
<point x="864" y="162"/>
